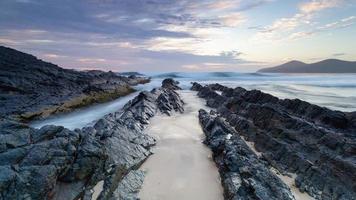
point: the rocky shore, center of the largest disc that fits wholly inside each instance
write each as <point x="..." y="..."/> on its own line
<point x="316" y="144"/>
<point x="101" y="161"/>
<point x="244" y="175"/>
<point x="31" y="88"/>
<point x="257" y="140"/>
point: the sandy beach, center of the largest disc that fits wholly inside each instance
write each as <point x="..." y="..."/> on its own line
<point x="181" y="167"/>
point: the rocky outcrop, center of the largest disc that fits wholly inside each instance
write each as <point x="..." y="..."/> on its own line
<point x="57" y="163"/>
<point x="31" y="88"/>
<point x="294" y="136"/>
<point x="244" y="176"/>
<point x="170" y="83"/>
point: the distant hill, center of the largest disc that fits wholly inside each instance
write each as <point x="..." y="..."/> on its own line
<point x="325" y="66"/>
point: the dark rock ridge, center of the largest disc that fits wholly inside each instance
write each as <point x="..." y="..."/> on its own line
<point x="244" y="176"/>
<point x="171" y="84"/>
<point x="294" y="136"/>
<point x="57" y="163"/>
<point x="31" y="88"/>
<point x="325" y="66"/>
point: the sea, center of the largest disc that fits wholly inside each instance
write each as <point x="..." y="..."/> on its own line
<point x="334" y="91"/>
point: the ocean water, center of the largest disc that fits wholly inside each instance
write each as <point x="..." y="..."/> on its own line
<point x="334" y="91"/>
<point x="89" y="115"/>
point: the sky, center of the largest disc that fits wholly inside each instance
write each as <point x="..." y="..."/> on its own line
<point x="179" y="35"/>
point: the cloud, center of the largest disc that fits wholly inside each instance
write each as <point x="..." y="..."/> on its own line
<point x="91" y="60"/>
<point x="6" y="41"/>
<point x="223" y="4"/>
<point x="39" y="41"/>
<point x="287" y="28"/>
<point x="351" y="18"/>
<point x="318" y="5"/>
<point x="49" y="55"/>
<point x="343" y="23"/>
<point x="301" y="34"/>
<point x="24" y="1"/>
<point x="284" y="24"/>
<point x="189" y="45"/>
<point x="127" y="45"/>
<point x="89" y="17"/>
<point x="120" y="23"/>
<point x="236" y="5"/>
<point x="231" y="54"/>
<point x="233" y="20"/>
<point x="192" y="67"/>
<point x="132" y="35"/>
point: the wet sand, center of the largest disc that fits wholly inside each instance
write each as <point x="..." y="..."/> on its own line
<point x="290" y="181"/>
<point x="181" y="166"/>
<point x="97" y="190"/>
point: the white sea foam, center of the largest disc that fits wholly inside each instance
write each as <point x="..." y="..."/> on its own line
<point x="83" y="117"/>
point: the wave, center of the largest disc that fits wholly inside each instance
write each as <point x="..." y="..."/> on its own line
<point x="205" y="75"/>
<point x="223" y="74"/>
<point x="262" y="78"/>
<point x="201" y="75"/>
<point x="196" y="75"/>
<point x="260" y="74"/>
<point x="331" y="85"/>
<point x="169" y="75"/>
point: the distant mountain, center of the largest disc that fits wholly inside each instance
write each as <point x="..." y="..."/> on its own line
<point x="325" y="66"/>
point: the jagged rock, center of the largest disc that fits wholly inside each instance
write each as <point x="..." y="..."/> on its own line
<point x="170" y="83"/>
<point x="56" y="163"/>
<point x="170" y="100"/>
<point x="125" y="147"/>
<point x="31" y="88"/>
<point x="243" y="175"/>
<point x="35" y="166"/>
<point x="71" y="190"/>
<point x="294" y="136"/>
<point x="130" y="186"/>
<point x="196" y="86"/>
